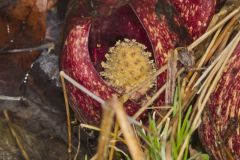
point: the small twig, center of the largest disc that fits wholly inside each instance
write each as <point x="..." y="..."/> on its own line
<point x="171" y="77"/>
<point x="14" y="134"/>
<point x="82" y="88"/>
<point x="48" y="46"/>
<point x="68" y="114"/>
<point x="9" y="98"/>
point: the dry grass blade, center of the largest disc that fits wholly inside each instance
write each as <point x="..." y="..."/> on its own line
<point x="206" y="96"/>
<point x="132" y="142"/>
<point x="104" y="137"/>
<point x="116" y="129"/>
<point x="208" y="88"/>
<point x="229" y="28"/>
<point x="214" y="67"/>
<point x="153" y="98"/>
<point x="98" y="129"/>
<point x="14" y="134"/>
<point x="216" y="41"/>
<point x="180" y="155"/>
<point x="224" y="42"/>
<point x="148" y="103"/>
<point x="224" y="36"/>
<point x="212" y="30"/>
<point x="163" y="120"/>
<point x="203" y="59"/>
<point x="215" y="18"/>
<point x="209" y="69"/>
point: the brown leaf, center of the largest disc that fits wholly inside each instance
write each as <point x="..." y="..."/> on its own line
<point x="23" y="25"/>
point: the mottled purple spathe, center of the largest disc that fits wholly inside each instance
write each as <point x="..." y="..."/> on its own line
<point x="220" y="132"/>
<point x="159" y="25"/>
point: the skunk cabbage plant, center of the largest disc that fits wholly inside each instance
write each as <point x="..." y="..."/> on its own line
<point x="112" y="45"/>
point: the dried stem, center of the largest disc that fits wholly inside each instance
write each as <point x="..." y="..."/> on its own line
<point x="14" y="134"/>
<point x="68" y="114"/>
